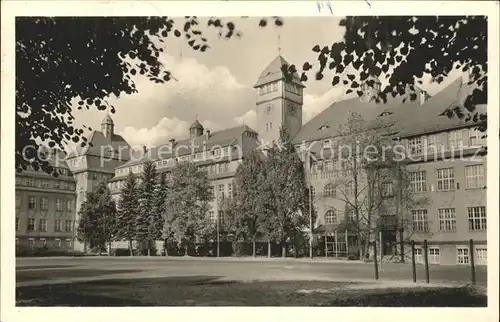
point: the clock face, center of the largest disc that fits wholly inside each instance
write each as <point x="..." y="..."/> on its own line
<point x="269" y="108"/>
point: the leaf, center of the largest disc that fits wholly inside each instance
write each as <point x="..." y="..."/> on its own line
<point x="336" y="80"/>
<point x="316" y="49"/>
<point x="306" y="66"/>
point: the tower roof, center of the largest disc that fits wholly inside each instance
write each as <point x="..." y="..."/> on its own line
<point x="196" y="125"/>
<point x="107" y="120"/>
<point x="274" y="73"/>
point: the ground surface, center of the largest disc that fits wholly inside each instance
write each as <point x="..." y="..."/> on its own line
<point x="142" y="281"/>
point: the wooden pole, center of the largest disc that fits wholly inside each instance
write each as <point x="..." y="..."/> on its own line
<point x="426" y="261"/>
<point x="401" y="245"/>
<point x="414" y="268"/>
<point x="375" y="261"/>
<point x="472" y="268"/>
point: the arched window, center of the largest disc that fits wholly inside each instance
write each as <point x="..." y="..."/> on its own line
<point x="330" y="217"/>
<point x="329" y="190"/>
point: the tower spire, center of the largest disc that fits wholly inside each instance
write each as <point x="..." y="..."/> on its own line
<point x="279" y="43"/>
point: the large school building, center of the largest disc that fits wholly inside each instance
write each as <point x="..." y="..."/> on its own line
<point x="452" y="182"/>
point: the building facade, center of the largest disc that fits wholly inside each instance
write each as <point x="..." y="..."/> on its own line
<point x="454" y="186"/>
<point x="45" y="208"/>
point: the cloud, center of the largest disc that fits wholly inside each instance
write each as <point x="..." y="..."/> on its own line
<point x="166" y="129"/>
<point x="315" y="104"/>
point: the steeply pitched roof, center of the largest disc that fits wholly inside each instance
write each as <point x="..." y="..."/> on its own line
<point x="427" y="118"/>
<point x="406" y="118"/>
<point x="274" y="73"/>
<point x="115" y="147"/>
<point x="196" y="125"/>
<point x="107" y="120"/>
<point x="231" y="136"/>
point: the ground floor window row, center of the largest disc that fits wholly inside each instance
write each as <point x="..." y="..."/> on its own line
<point x="447" y="219"/>
<point x="462" y="255"/>
<point x="42" y="225"/>
<point x="45" y="242"/>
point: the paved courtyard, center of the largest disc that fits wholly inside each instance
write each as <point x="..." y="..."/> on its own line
<point x="139" y="281"/>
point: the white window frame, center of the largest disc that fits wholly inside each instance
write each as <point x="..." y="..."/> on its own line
<point x="58" y="242"/>
<point x="415" y="145"/>
<point x="445" y="179"/>
<point x="463" y="256"/>
<point x="329" y="190"/>
<point x="455" y="139"/>
<point x="221" y="192"/>
<point x="69" y="205"/>
<point x="476" y="138"/>
<point x="32" y="203"/>
<point x="58" y="225"/>
<point x="28" y="224"/>
<point x="330" y="217"/>
<point x="43" y="228"/>
<point x="481" y="256"/>
<point x="68" y="228"/>
<point x="59" y="206"/>
<point x="418" y="181"/>
<point x="476" y="217"/>
<point x="447" y="219"/>
<point x="420" y="220"/>
<point x="434" y="258"/>
<point x="419" y="255"/>
<point x="474" y="176"/>
<point x="44" y="203"/>
<point x="43" y="242"/>
<point x="211" y="216"/>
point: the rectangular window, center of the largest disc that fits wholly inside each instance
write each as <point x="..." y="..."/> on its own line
<point x="434" y="255"/>
<point x="477" y="218"/>
<point x="43" y="242"/>
<point x="43" y="225"/>
<point x="462" y="255"/>
<point x="45" y="183"/>
<point x="326" y="144"/>
<point x="69" y="204"/>
<point x="18" y="181"/>
<point x="211" y="216"/>
<point x="447" y="220"/>
<point x="59" y="204"/>
<point x="58" y="226"/>
<point x="387" y="189"/>
<point x="481" y="256"/>
<point x="68" y="225"/>
<point x="38" y="184"/>
<point x="415" y="145"/>
<point x="31" y="243"/>
<point x="419" y="220"/>
<point x="455" y="140"/>
<point x="30" y="182"/>
<point x="419" y="255"/>
<point x="474" y="176"/>
<point x="476" y="138"/>
<point x="58" y="242"/>
<point x="32" y="203"/>
<point x="221" y="167"/>
<point x="217" y="151"/>
<point x="221" y="191"/>
<point x="17" y="223"/>
<point x="198" y="156"/>
<point x="230" y="190"/>
<point x="418" y="181"/>
<point x="44" y="203"/>
<point x="56" y="184"/>
<point x="31" y="224"/>
<point x="434" y="143"/>
<point x="446" y="179"/>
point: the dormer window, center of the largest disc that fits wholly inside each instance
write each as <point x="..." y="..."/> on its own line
<point x="326" y="143"/>
<point x="386" y="114"/>
<point x="324" y="127"/>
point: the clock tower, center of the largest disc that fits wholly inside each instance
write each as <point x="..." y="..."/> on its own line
<point x="279" y="102"/>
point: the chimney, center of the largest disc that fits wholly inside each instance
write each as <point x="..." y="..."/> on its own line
<point x="422" y="97"/>
<point x="172" y="143"/>
<point x="207" y="134"/>
<point x="144" y="149"/>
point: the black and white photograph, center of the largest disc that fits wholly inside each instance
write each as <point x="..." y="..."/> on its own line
<point x="224" y="160"/>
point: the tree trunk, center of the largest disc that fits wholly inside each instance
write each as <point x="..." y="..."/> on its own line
<point x="269" y="249"/>
<point x="130" y="248"/>
<point x="283" y="249"/>
<point x="186" y="249"/>
<point x="109" y="250"/>
<point x="253" y="248"/>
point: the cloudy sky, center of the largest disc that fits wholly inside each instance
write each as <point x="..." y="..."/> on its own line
<point x="217" y="85"/>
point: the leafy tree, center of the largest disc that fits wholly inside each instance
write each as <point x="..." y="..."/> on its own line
<point x="369" y="167"/>
<point x="286" y="178"/>
<point x="145" y="218"/>
<point x="128" y="211"/>
<point x="186" y="219"/>
<point x="249" y="199"/>
<point x="403" y="50"/>
<point x="87" y="60"/>
<point x="97" y="224"/>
